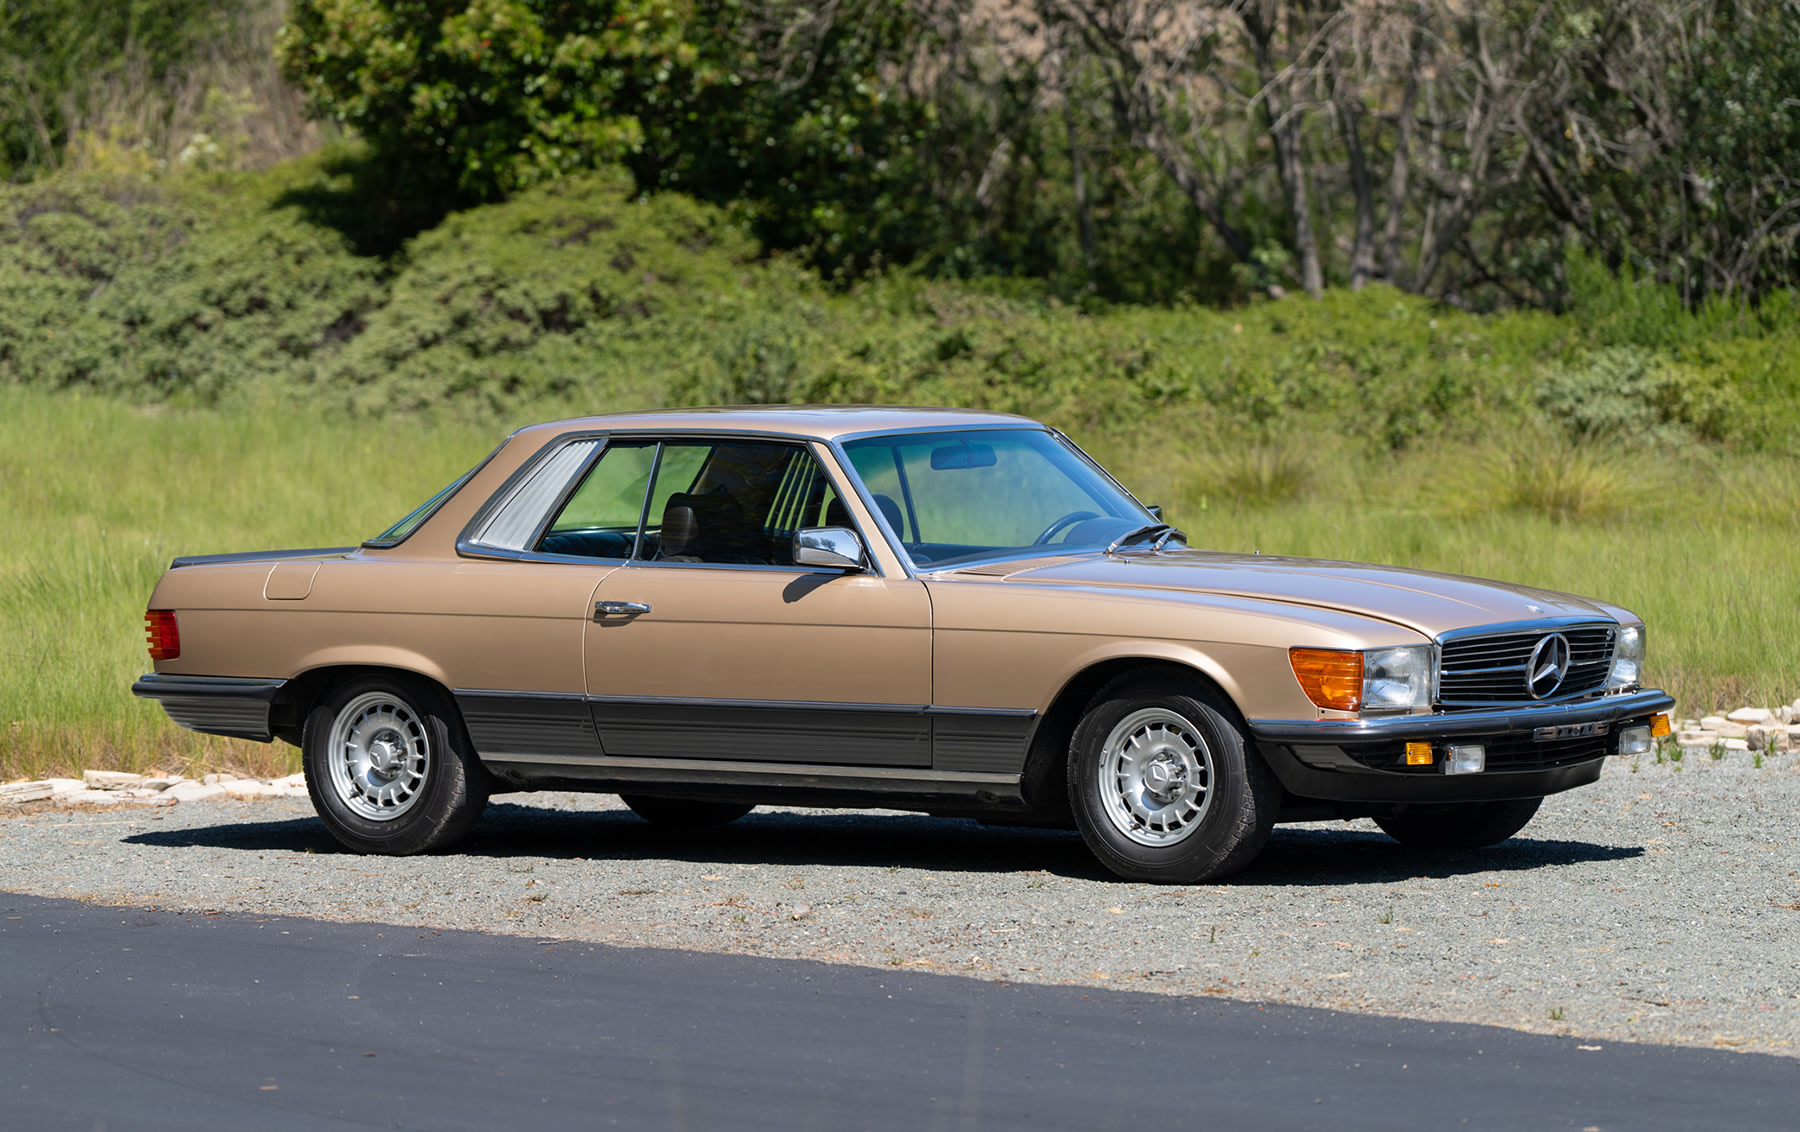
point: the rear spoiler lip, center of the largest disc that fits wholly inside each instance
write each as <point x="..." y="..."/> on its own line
<point x="260" y="556"/>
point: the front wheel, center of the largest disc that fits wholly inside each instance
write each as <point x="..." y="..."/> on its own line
<point x="389" y="767"/>
<point x="1164" y="786"/>
<point x="1459" y="825"/>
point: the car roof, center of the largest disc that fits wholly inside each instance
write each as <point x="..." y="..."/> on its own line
<point x="823" y="422"/>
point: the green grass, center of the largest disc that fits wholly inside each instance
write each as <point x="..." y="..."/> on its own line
<point x="96" y="496"/>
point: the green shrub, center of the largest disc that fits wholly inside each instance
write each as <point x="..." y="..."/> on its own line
<point x="180" y="292"/>
<point x="1630" y="393"/>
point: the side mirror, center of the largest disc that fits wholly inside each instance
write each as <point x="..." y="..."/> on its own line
<point x="838" y="547"/>
<point x="1155" y="510"/>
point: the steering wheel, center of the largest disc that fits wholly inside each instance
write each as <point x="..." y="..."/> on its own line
<point x="1068" y="520"/>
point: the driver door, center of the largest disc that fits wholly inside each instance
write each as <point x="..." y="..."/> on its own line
<point x="710" y="644"/>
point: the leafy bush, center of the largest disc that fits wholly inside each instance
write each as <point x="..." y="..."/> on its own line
<point x="584" y="294"/>
<point x="181" y="293"/>
<point x="489" y="96"/>
<point x="1629" y="393"/>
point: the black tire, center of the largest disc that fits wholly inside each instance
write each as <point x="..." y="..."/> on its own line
<point x="406" y="779"/>
<point x="680" y="813"/>
<point x="1215" y="815"/>
<point x="1459" y="825"/>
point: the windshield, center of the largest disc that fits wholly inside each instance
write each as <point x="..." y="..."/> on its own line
<point x="954" y="497"/>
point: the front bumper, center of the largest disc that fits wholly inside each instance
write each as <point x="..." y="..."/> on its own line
<point x="218" y="705"/>
<point x="1532" y="751"/>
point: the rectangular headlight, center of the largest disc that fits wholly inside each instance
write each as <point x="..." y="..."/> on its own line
<point x="1628" y="658"/>
<point x="1397" y="679"/>
<point x="1379" y="680"/>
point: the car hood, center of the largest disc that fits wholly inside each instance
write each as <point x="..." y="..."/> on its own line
<point x="1418" y="599"/>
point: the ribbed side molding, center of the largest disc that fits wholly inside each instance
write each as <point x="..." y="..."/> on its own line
<point x="554" y="727"/>
<point x="526" y="723"/>
<point x="715" y="773"/>
<point x="216" y="705"/>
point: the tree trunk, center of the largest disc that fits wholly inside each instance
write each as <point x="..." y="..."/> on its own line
<point x="1362" y="244"/>
<point x="1403" y="126"/>
<point x="1283" y="121"/>
<point x="1084" y="213"/>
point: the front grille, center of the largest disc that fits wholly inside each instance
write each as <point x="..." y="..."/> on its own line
<point x="1487" y="669"/>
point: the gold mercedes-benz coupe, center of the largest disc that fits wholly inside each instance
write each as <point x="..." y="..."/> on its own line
<point x="949" y="611"/>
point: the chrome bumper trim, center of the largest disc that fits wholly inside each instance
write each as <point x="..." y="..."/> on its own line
<point x="1449" y="725"/>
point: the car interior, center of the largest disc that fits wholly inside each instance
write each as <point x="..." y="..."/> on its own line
<point x="730" y="503"/>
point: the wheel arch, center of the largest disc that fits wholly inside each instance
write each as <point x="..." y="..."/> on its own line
<point x="1044" y="780"/>
<point x="303" y="692"/>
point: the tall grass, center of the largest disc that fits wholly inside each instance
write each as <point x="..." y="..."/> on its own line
<point x="97" y="496"/>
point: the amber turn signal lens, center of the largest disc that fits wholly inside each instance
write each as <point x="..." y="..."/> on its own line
<point x="1659" y="726"/>
<point x="163" y="634"/>
<point x="1331" y="678"/>
<point x="1418" y="754"/>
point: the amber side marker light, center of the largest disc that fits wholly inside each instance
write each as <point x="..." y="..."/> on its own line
<point x="1659" y="726"/>
<point x="1331" y="678"/>
<point x="1418" y="754"/>
<point x="163" y="634"/>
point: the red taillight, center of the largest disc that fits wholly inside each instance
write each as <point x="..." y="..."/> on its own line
<point x="163" y="633"/>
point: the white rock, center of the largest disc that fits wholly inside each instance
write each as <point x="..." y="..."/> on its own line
<point x="66" y="785"/>
<point x="110" y="779"/>
<point x="20" y="792"/>
<point x="90" y="798"/>
<point x="160" y="783"/>
<point x="1785" y="713"/>
<point x="191" y="791"/>
<point x="246" y="788"/>
<point x="1737" y="745"/>
<point x="1713" y="722"/>
<point x="298" y="778"/>
<point x="1750" y="715"/>
<point x="1696" y="738"/>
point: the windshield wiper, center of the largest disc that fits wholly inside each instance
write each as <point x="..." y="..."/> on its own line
<point x="1165" y="530"/>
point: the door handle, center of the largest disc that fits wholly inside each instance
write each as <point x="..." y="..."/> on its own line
<point x="619" y="608"/>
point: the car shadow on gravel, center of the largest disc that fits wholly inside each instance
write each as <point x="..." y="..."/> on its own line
<point x="1353" y="856"/>
<point x="914" y="841"/>
<point x="1294" y="856"/>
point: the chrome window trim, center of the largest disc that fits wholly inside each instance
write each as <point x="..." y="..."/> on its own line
<point x="467" y="547"/>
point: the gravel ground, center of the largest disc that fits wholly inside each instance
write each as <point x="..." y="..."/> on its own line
<point x="1661" y="904"/>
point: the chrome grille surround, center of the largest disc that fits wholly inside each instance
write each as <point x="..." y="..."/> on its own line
<point x="1489" y="665"/>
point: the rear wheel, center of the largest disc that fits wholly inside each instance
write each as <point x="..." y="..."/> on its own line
<point x="679" y="813"/>
<point x="1459" y="825"/>
<point x="1163" y="785"/>
<point x="389" y="767"/>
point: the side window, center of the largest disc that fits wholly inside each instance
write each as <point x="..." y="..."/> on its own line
<point x="513" y="524"/>
<point x="735" y="502"/>
<point x="600" y="520"/>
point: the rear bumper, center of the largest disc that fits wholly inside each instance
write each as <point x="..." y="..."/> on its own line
<point x="217" y="705"/>
<point x="1531" y="751"/>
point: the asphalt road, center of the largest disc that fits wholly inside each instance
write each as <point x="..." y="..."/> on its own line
<point x="119" y="1018"/>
